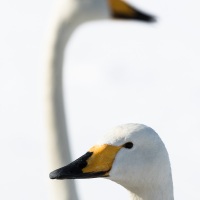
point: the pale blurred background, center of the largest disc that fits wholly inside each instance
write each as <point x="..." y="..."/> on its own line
<point x="115" y="72"/>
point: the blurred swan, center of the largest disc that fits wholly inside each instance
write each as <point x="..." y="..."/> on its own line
<point x="70" y="14"/>
<point x="132" y="155"/>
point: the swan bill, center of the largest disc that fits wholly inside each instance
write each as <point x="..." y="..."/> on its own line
<point x="122" y="10"/>
<point x="97" y="162"/>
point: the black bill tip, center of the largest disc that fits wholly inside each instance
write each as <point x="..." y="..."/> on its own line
<point x="57" y="174"/>
<point x="144" y="17"/>
<point x="53" y="175"/>
<point x="74" y="170"/>
<point x="138" y="15"/>
<point x="71" y="171"/>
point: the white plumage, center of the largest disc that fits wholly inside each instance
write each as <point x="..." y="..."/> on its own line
<point x="145" y="169"/>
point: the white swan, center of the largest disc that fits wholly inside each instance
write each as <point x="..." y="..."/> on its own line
<point x="71" y="13"/>
<point x="132" y="155"/>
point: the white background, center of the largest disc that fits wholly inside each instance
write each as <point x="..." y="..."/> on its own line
<point x="115" y="72"/>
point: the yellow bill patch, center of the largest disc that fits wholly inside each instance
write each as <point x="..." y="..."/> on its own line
<point x="101" y="159"/>
<point x="120" y="7"/>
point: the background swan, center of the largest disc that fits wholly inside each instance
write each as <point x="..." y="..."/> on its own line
<point x="132" y="155"/>
<point x="71" y="14"/>
<point x="171" y="107"/>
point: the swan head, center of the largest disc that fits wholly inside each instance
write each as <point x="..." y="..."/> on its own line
<point x="117" y="9"/>
<point x="131" y="155"/>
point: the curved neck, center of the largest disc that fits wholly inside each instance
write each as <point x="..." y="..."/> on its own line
<point x="57" y="139"/>
<point x="62" y="28"/>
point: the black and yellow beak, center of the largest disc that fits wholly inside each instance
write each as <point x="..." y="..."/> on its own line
<point x="97" y="162"/>
<point x="122" y="10"/>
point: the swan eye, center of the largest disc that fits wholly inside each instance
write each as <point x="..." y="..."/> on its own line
<point x="128" y="145"/>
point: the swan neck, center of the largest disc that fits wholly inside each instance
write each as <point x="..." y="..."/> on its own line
<point x="58" y="146"/>
<point x="164" y="193"/>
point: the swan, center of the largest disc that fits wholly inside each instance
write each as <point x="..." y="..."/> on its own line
<point x="69" y="15"/>
<point x="132" y="155"/>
